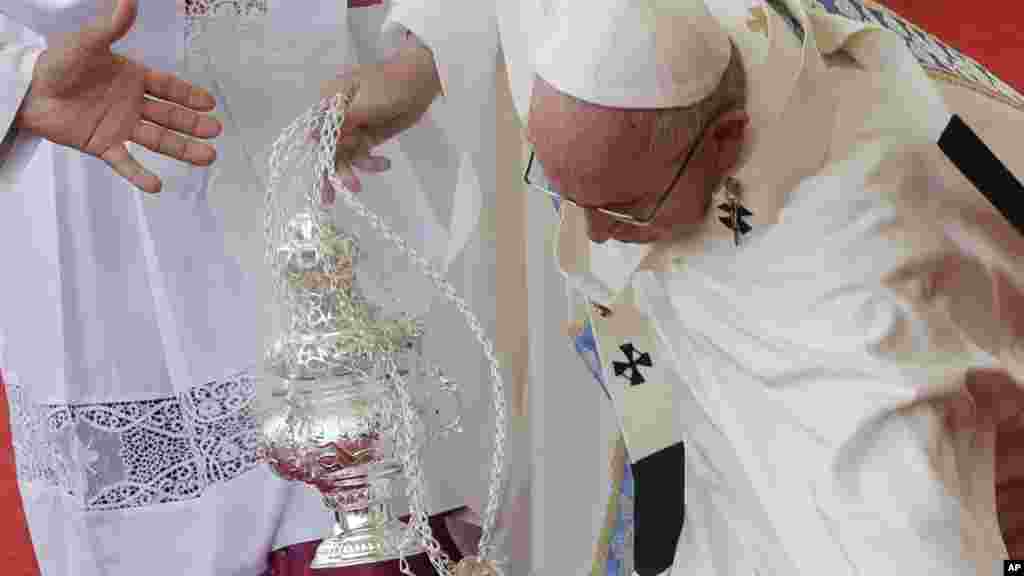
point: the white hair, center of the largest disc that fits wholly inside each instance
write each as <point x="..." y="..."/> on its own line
<point x="680" y="126"/>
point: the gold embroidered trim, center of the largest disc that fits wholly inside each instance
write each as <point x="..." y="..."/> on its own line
<point x="1014" y="100"/>
<point x="944" y="76"/>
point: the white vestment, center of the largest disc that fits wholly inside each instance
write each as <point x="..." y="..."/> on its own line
<point x="802" y="364"/>
<point x="124" y="330"/>
<point x="126" y="326"/>
<point x="806" y="366"/>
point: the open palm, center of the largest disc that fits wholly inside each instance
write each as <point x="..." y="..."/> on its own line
<point x="86" y="97"/>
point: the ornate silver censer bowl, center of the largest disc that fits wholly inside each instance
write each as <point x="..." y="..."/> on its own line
<point x="345" y="420"/>
<point x="332" y="434"/>
<point x="343" y="368"/>
<point x="335" y="417"/>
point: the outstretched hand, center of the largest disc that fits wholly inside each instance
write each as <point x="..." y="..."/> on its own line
<point x="86" y="97"/>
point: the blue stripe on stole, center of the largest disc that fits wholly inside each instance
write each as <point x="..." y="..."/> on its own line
<point x="620" y="544"/>
<point x="586" y="347"/>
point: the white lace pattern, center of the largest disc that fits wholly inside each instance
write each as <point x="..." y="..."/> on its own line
<point x="198" y="12"/>
<point x="208" y="8"/>
<point x="132" y="454"/>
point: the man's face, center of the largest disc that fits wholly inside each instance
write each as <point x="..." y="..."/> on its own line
<point x="601" y="157"/>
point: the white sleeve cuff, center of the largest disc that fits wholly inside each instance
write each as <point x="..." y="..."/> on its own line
<point x="17" y="61"/>
<point x="464" y="43"/>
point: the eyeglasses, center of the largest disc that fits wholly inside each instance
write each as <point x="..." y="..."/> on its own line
<point x="535" y="178"/>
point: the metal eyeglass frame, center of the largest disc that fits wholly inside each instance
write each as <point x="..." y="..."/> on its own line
<point x="620" y="216"/>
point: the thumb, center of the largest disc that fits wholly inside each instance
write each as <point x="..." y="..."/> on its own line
<point x="106" y="30"/>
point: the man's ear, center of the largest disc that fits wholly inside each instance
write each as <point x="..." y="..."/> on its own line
<point x="726" y="135"/>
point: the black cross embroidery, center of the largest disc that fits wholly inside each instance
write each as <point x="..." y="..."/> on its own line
<point x="634" y="359"/>
<point x="733" y="219"/>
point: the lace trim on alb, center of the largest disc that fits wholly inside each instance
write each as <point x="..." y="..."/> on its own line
<point x="198" y="12"/>
<point x="132" y="454"/>
<point x="209" y="8"/>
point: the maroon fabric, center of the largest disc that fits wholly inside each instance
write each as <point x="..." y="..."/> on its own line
<point x="295" y="560"/>
<point x="17" y="555"/>
<point x="364" y="3"/>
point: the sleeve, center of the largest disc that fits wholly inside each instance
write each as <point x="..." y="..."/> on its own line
<point x="984" y="242"/>
<point x="979" y="285"/>
<point x="463" y="36"/>
<point x="974" y="254"/>
<point x="967" y="271"/>
<point x="17" y="60"/>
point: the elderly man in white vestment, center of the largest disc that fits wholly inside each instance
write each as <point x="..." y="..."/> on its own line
<point x="126" y="330"/>
<point x="779" y="275"/>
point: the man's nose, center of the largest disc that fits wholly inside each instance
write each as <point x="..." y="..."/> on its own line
<point x="599" y="227"/>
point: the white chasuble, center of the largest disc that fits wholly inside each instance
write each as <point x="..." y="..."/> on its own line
<point x="808" y="362"/>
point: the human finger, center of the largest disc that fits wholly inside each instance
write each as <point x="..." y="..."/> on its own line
<point x="173" y="89"/>
<point x="373" y="164"/>
<point x="174" y="145"/>
<point x="349" y="179"/>
<point x="342" y="178"/>
<point x="180" y="119"/>
<point x="350" y="147"/>
<point x="105" y="30"/>
<point x="126" y="166"/>
<point x="354" y="146"/>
